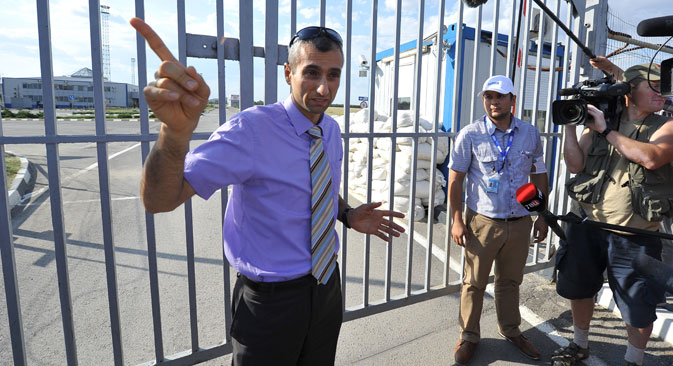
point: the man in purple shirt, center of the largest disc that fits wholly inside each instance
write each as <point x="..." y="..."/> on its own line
<point x="284" y="312"/>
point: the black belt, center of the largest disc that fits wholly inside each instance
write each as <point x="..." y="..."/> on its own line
<point x="296" y="283"/>
<point x="507" y="219"/>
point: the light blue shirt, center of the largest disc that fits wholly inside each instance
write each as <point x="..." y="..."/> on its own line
<point x="264" y="153"/>
<point x="475" y="154"/>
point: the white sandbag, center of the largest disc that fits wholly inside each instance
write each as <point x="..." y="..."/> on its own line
<point x="402" y="205"/>
<point x="422" y="188"/>
<point x="440" y="196"/>
<point x="384" y="144"/>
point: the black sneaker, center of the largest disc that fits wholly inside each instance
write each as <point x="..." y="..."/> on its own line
<point x="569" y="355"/>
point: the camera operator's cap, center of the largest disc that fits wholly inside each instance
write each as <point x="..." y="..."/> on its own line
<point x="498" y="83"/>
<point x="640" y="71"/>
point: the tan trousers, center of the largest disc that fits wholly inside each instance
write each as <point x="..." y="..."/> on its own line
<point x="506" y="243"/>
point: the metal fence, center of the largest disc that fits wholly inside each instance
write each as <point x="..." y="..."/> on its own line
<point x="243" y="51"/>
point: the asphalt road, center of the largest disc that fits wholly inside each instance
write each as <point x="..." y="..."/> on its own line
<point x="419" y="334"/>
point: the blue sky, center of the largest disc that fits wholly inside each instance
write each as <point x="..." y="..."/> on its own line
<point x="71" y="42"/>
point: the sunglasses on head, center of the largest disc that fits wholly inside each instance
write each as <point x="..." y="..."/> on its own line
<point x="315" y="32"/>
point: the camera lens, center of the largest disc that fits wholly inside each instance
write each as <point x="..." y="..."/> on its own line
<point x="572" y="112"/>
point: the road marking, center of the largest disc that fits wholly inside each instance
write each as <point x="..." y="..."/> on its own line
<point x="72" y="176"/>
<point x="98" y="200"/>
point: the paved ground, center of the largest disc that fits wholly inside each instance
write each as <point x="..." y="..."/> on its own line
<point x="420" y="334"/>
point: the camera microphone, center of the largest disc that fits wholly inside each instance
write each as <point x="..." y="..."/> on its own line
<point x="533" y="200"/>
<point x="474" y="3"/>
<point x="566" y="92"/>
<point x="656" y="27"/>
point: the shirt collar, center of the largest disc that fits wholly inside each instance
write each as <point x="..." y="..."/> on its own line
<point x="298" y="120"/>
<point x="490" y="126"/>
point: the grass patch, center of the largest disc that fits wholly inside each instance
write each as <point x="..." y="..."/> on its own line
<point x="13" y="165"/>
<point x="339" y="111"/>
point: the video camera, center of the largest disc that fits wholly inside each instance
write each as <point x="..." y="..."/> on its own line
<point x="605" y="94"/>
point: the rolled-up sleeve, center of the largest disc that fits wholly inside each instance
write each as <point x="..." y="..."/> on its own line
<point x="226" y="158"/>
<point x="461" y="155"/>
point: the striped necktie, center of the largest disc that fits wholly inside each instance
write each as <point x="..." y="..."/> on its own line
<point x="323" y="241"/>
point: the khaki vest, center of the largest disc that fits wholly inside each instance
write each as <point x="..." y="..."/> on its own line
<point x="651" y="190"/>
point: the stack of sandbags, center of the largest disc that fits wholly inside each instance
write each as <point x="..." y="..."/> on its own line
<point x="382" y="157"/>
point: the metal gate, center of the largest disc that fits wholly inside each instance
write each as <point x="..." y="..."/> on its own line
<point x="432" y="276"/>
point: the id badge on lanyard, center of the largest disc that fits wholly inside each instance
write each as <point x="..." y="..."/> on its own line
<point x="493" y="180"/>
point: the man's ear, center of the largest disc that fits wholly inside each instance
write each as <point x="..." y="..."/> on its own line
<point x="288" y="72"/>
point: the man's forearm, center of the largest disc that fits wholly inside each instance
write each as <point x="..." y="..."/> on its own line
<point x="456" y="195"/>
<point x="162" y="185"/>
<point x="572" y="153"/>
<point x="541" y="181"/>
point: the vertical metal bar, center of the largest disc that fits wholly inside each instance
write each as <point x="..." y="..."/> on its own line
<point x="458" y="65"/>
<point x="224" y="194"/>
<point x="418" y="67"/>
<point x="245" y="57"/>
<point x="494" y="38"/>
<point x="104" y="180"/>
<point x="347" y="115"/>
<point x="551" y="95"/>
<point x="575" y="23"/>
<point x="293" y="17"/>
<point x="475" y="63"/>
<point x="271" y="52"/>
<point x="372" y="103"/>
<point x="433" y="159"/>
<point x="511" y="44"/>
<point x="396" y="80"/>
<point x="412" y="186"/>
<point x="536" y="92"/>
<point x="46" y="69"/>
<point x="8" y="259"/>
<point x="524" y="58"/>
<point x="538" y="68"/>
<point x="189" y="219"/>
<point x="149" y="218"/>
<point x="323" y="8"/>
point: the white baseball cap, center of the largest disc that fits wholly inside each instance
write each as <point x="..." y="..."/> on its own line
<point x="498" y="83"/>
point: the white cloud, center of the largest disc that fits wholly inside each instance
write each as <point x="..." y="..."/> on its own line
<point x="309" y="13"/>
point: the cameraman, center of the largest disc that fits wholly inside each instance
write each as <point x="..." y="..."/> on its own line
<point x="623" y="173"/>
<point x="602" y="63"/>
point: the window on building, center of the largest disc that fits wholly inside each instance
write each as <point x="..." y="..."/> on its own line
<point x="404" y="104"/>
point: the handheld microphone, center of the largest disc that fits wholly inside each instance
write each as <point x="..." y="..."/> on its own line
<point x="534" y="200"/>
<point x="654" y="270"/>
<point x="656" y="27"/>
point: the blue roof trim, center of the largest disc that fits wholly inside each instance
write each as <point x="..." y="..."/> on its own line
<point x="403" y="48"/>
<point x="468" y="33"/>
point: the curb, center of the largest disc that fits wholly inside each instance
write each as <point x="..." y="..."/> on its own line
<point x="663" y="326"/>
<point x="21" y="181"/>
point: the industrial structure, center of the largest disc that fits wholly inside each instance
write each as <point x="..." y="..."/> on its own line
<point x="72" y="91"/>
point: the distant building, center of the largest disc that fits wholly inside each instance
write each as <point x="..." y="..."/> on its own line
<point x="73" y="91"/>
<point x="234" y="100"/>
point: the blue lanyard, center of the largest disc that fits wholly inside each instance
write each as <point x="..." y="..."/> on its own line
<point x="503" y="154"/>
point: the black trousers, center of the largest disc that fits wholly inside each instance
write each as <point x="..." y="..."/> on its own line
<point x="295" y="322"/>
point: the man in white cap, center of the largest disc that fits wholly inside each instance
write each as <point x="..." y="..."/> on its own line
<point x="497" y="153"/>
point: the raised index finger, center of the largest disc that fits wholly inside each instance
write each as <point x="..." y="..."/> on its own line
<point x="156" y="44"/>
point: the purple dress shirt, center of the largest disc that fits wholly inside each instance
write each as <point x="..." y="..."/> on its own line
<point x="263" y="152"/>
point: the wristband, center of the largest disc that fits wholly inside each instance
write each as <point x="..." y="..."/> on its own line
<point x="344" y="217"/>
<point x="605" y="132"/>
